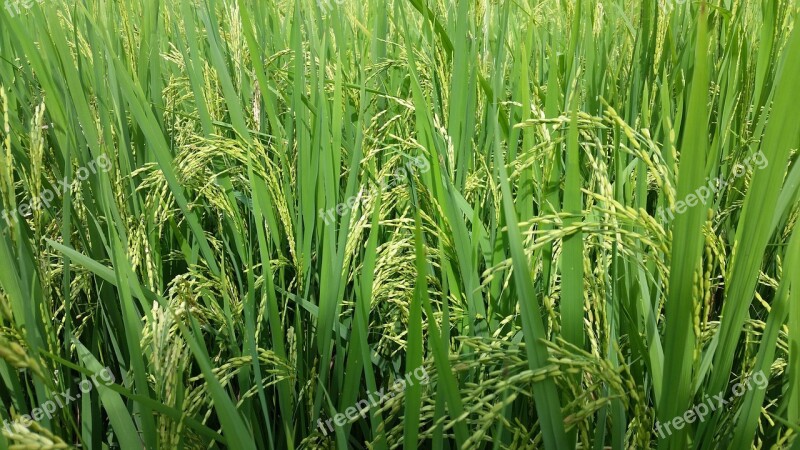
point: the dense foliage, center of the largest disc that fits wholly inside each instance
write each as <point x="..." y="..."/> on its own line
<point x="384" y="224"/>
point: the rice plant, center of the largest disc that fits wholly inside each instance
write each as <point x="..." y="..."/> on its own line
<point x="385" y="224"/>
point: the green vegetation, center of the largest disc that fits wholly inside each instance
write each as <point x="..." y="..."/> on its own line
<point x="578" y="217"/>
